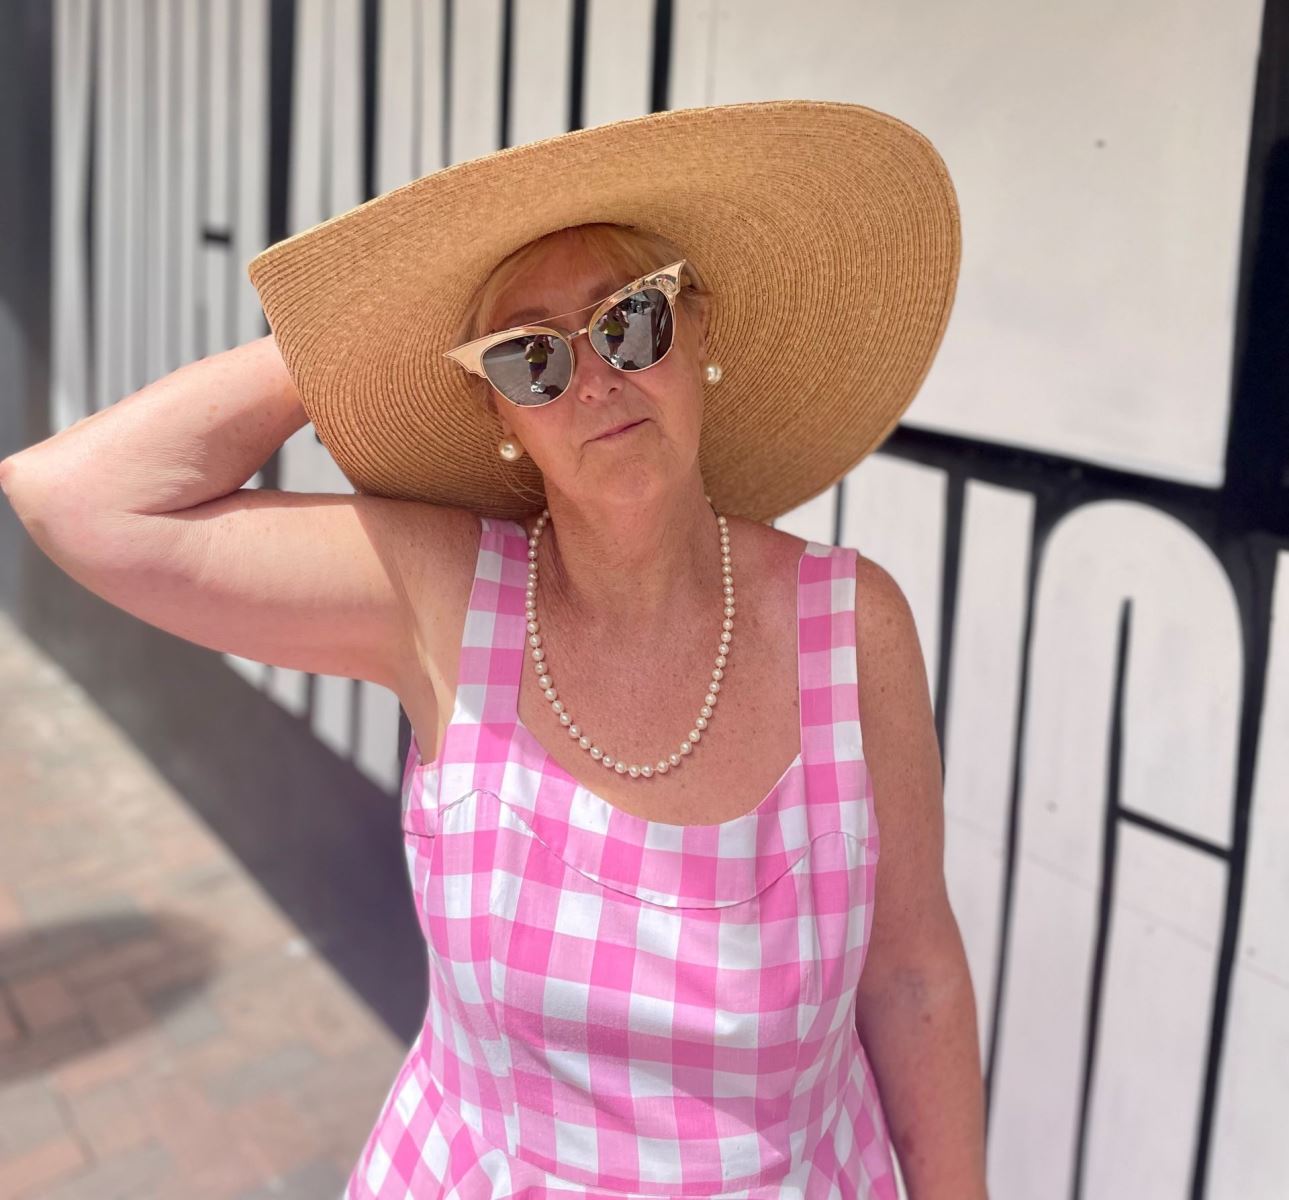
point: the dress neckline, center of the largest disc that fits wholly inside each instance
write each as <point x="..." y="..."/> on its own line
<point x="621" y="817"/>
<point x="493" y="772"/>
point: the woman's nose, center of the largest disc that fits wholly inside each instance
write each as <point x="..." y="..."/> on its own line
<point x="592" y="376"/>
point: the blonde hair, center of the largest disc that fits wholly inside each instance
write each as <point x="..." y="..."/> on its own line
<point x="625" y="250"/>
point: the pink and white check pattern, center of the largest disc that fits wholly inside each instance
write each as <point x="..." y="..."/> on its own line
<point x="624" y="1008"/>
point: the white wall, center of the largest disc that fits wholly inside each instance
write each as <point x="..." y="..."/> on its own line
<point x="1119" y="884"/>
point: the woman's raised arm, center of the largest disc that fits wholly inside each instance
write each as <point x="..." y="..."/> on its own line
<point x="142" y="503"/>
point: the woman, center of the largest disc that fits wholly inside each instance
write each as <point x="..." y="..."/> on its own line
<point x="642" y="822"/>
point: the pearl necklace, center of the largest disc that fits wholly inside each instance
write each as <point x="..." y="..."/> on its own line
<point x="544" y="679"/>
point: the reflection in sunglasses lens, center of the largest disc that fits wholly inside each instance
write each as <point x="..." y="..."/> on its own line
<point x="636" y="332"/>
<point x="529" y="370"/>
<point x="536" y="368"/>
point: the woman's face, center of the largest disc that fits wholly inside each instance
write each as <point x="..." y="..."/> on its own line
<point x="565" y="438"/>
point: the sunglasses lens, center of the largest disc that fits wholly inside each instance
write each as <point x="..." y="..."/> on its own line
<point x="636" y="332"/>
<point x="533" y="369"/>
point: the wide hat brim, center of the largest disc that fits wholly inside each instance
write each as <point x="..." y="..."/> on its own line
<point x="827" y="232"/>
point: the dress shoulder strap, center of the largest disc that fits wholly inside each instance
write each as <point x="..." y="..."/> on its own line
<point x="826" y="656"/>
<point x="494" y="639"/>
<point x="478" y="736"/>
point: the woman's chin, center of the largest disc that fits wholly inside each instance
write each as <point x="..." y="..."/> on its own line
<point x="636" y="479"/>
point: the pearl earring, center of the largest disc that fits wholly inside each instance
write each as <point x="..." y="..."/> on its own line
<point x="712" y="372"/>
<point x="510" y="449"/>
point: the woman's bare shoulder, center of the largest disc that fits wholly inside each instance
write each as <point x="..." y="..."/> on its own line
<point x="901" y="746"/>
<point x="883" y="616"/>
<point x="766" y="551"/>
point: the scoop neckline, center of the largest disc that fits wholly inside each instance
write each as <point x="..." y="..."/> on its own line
<point x="612" y="814"/>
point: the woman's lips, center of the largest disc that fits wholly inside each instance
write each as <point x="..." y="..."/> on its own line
<point x="604" y="437"/>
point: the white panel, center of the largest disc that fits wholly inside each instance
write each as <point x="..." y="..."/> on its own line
<point x="619" y="62"/>
<point x="345" y="97"/>
<point x="1099" y="156"/>
<point x="216" y="211"/>
<point x="326" y="113"/>
<point x="306" y="205"/>
<point x="254" y="673"/>
<point x="108" y="211"/>
<point x="376" y="752"/>
<point x="159" y="267"/>
<point x="330" y="713"/>
<point x="289" y="689"/>
<point x="305" y="465"/>
<point x="983" y="705"/>
<point x="893" y="512"/>
<point x="539" y="74"/>
<point x="131" y="230"/>
<point x="1180" y="723"/>
<point x="409" y="92"/>
<point x="476" y="78"/>
<point x="251" y="197"/>
<point x="430" y="148"/>
<point x="1152" y="1041"/>
<point x="1250" y="1151"/>
<point x="693" y="48"/>
<point x="816" y="519"/>
<point x="69" y="382"/>
<point x="188" y="17"/>
<point x="1186" y="647"/>
<point x="396" y="94"/>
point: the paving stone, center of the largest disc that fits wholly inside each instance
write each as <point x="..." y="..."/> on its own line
<point x="185" y="1017"/>
<point x="116" y="1009"/>
<point x="30" y="1113"/>
<point x="47" y="1051"/>
<point x="43" y="1001"/>
<point x="317" y="1180"/>
<point x="108" y="1118"/>
<point x="9" y="1030"/>
<point x="96" y="1065"/>
<point x="12" y="916"/>
<point x="286" y="1064"/>
<point x="165" y="1031"/>
<point x="30" y="1173"/>
<point x="136" y="1173"/>
<point x="280" y="1131"/>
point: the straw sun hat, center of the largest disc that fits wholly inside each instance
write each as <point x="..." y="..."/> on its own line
<point x="827" y="232"/>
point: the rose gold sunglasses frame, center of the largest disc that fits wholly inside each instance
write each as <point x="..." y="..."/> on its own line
<point x="665" y="279"/>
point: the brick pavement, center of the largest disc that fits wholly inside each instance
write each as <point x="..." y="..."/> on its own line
<point x="164" y="1030"/>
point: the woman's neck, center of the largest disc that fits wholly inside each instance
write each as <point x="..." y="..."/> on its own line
<point x="630" y="568"/>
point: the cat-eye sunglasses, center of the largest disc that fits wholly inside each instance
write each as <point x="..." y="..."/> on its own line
<point x="631" y="330"/>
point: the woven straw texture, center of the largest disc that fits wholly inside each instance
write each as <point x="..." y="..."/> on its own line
<point x="829" y="233"/>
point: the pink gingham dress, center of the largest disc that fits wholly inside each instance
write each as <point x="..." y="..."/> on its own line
<point x="621" y="1007"/>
